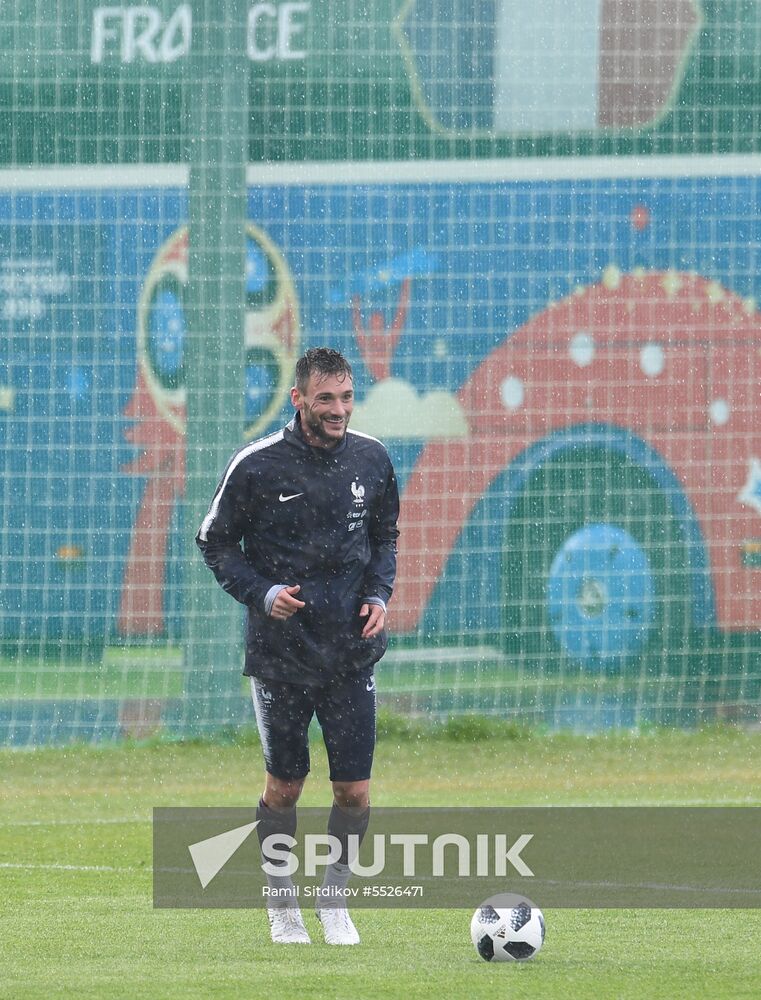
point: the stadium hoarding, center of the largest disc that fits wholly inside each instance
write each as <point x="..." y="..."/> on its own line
<point x="519" y="338"/>
<point x="592" y="858"/>
<point x="390" y="79"/>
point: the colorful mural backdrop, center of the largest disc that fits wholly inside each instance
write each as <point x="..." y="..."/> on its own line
<point x="566" y="374"/>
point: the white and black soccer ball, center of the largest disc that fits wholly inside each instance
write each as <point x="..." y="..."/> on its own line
<point x="507" y="928"/>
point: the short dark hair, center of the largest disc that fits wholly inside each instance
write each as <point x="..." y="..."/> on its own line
<point x="322" y="361"/>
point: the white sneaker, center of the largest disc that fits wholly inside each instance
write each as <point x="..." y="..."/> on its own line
<point x="337" y="925"/>
<point x="287" y="926"/>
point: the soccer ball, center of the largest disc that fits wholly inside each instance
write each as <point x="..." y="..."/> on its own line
<point x="507" y="928"/>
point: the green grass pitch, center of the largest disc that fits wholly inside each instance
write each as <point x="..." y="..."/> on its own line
<point x="75" y="854"/>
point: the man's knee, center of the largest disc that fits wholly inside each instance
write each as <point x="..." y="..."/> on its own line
<point x="282" y="793"/>
<point x="351" y="795"/>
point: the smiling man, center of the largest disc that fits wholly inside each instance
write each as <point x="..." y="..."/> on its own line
<point x="315" y="507"/>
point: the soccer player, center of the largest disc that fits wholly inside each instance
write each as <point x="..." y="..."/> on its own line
<point x="315" y="506"/>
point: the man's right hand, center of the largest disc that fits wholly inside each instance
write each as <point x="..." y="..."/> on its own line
<point x="286" y="603"/>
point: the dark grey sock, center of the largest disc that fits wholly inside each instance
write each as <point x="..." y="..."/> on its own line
<point x="277" y="821"/>
<point x="341" y="823"/>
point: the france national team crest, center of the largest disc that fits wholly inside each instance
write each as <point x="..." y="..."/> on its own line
<point x="356" y="516"/>
<point x="359" y="494"/>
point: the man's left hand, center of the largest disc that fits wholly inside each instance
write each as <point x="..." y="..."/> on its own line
<point x="376" y="619"/>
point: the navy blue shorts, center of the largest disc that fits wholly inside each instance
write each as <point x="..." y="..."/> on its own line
<point x="345" y="709"/>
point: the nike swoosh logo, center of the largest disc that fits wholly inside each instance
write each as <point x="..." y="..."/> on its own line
<point x="293" y="496"/>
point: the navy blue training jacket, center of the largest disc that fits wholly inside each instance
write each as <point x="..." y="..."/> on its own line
<point x="321" y="518"/>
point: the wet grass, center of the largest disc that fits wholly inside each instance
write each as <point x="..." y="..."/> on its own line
<point x="75" y="850"/>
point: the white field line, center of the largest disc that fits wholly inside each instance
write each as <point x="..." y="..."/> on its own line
<point x="114" y="821"/>
<point x="706" y="891"/>
<point x="42" y="866"/>
<point x="641" y="803"/>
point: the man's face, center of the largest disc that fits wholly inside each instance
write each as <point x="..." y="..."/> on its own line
<point x="325" y="407"/>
